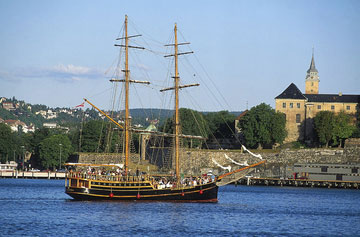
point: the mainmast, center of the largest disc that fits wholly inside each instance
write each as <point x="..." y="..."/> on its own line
<point x="127" y="113"/>
<point x="176" y="88"/>
<point x="127" y="81"/>
<point x="177" y="119"/>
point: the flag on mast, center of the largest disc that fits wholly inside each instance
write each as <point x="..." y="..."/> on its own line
<point x="80" y="105"/>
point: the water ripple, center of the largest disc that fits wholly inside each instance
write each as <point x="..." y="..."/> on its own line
<point x="41" y="208"/>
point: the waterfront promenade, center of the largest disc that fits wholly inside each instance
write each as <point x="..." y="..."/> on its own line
<point x="32" y="175"/>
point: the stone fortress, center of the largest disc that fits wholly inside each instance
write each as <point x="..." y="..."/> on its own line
<point x="300" y="109"/>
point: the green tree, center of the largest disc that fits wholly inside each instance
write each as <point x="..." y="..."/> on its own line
<point x="278" y="131"/>
<point x="262" y="126"/>
<point x="356" y="132"/>
<point x="51" y="148"/>
<point x="93" y="136"/>
<point x="343" y="128"/>
<point x="9" y="143"/>
<point x="324" y="124"/>
<point x="221" y="124"/>
<point x="34" y="145"/>
<point x="192" y="123"/>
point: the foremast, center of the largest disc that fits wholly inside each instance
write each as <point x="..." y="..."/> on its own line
<point x="127" y="82"/>
<point x="127" y="113"/>
<point x="177" y="119"/>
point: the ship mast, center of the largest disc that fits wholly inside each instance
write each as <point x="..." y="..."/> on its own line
<point x="127" y="114"/>
<point x="177" y="119"/>
<point x="176" y="89"/>
<point x="127" y="81"/>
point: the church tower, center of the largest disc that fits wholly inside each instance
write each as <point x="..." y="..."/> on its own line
<point x="312" y="78"/>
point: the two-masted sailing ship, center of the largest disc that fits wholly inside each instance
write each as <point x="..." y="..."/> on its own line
<point x="98" y="184"/>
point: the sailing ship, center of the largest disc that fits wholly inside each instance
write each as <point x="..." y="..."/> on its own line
<point x="98" y="183"/>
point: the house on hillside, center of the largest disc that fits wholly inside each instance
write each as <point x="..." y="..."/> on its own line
<point x="42" y="113"/>
<point x="15" y="125"/>
<point x="51" y="114"/>
<point x="30" y="128"/>
<point x="49" y="125"/>
<point x="8" y="106"/>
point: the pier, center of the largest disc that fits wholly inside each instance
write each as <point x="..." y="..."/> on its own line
<point x="299" y="183"/>
<point x="32" y="175"/>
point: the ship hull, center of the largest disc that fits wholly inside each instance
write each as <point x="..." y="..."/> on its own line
<point x="120" y="191"/>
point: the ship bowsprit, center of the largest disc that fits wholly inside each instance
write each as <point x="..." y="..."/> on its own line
<point x="234" y="177"/>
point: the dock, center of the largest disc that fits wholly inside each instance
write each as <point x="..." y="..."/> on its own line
<point x="299" y="183"/>
<point x="32" y="175"/>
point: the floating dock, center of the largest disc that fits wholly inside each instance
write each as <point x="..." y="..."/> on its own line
<point x="299" y="183"/>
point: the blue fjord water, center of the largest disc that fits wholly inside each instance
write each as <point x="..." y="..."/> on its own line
<point x="41" y="208"/>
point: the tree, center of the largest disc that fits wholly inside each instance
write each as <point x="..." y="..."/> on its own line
<point x="333" y="128"/>
<point x="9" y="143"/>
<point x="324" y="126"/>
<point x="262" y="126"/>
<point x="221" y="124"/>
<point x="93" y="135"/>
<point x="356" y="132"/>
<point x="342" y="128"/>
<point x="192" y="123"/>
<point x="50" y="149"/>
<point x="278" y="130"/>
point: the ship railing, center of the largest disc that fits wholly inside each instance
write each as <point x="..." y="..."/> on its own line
<point x="108" y="177"/>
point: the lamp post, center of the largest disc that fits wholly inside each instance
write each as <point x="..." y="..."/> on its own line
<point x="23" y="157"/>
<point x="60" y="156"/>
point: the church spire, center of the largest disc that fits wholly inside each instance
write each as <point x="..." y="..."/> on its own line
<point x="312" y="64"/>
<point x="312" y="78"/>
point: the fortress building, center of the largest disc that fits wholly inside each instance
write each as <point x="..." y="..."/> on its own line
<point x="300" y="109"/>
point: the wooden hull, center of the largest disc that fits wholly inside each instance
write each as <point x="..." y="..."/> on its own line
<point x="138" y="191"/>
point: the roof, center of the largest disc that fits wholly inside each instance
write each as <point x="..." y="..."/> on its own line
<point x="312" y="65"/>
<point x="334" y="98"/>
<point x="151" y="128"/>
<point x="241" y="115"/>
<point x="292" y="92"/>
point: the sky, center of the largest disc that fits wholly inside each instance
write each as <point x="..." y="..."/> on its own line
<point x="245" y="52"/>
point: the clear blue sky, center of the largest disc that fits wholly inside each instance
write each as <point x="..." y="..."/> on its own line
<point x="56" y="52"/>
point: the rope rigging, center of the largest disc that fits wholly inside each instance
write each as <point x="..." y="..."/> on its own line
<point x="144" y="71"/>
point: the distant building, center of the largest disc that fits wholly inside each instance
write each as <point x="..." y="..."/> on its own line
<point x="8" y="166"/>
<point x="42" y="113"/>
<point x="30" y="128"/>
<point x="51" y="114"/>
<point x="237" y="120"/>
<point x="66" y="111"/>
<point x="8" y="106"/>
<point x="15" y="125"/>
<point x="49" y="125"/>
<point x="300" y="109"/>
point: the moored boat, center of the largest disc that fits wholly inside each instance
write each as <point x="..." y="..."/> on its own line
<point x="114" y="181"/>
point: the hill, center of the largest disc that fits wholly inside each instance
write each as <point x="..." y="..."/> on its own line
<point x="39" y="115"/>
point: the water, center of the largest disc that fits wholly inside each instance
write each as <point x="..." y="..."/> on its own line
<point x="41" y="208"/>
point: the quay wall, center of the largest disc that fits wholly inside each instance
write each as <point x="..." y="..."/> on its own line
<point x="278" y="163"/>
